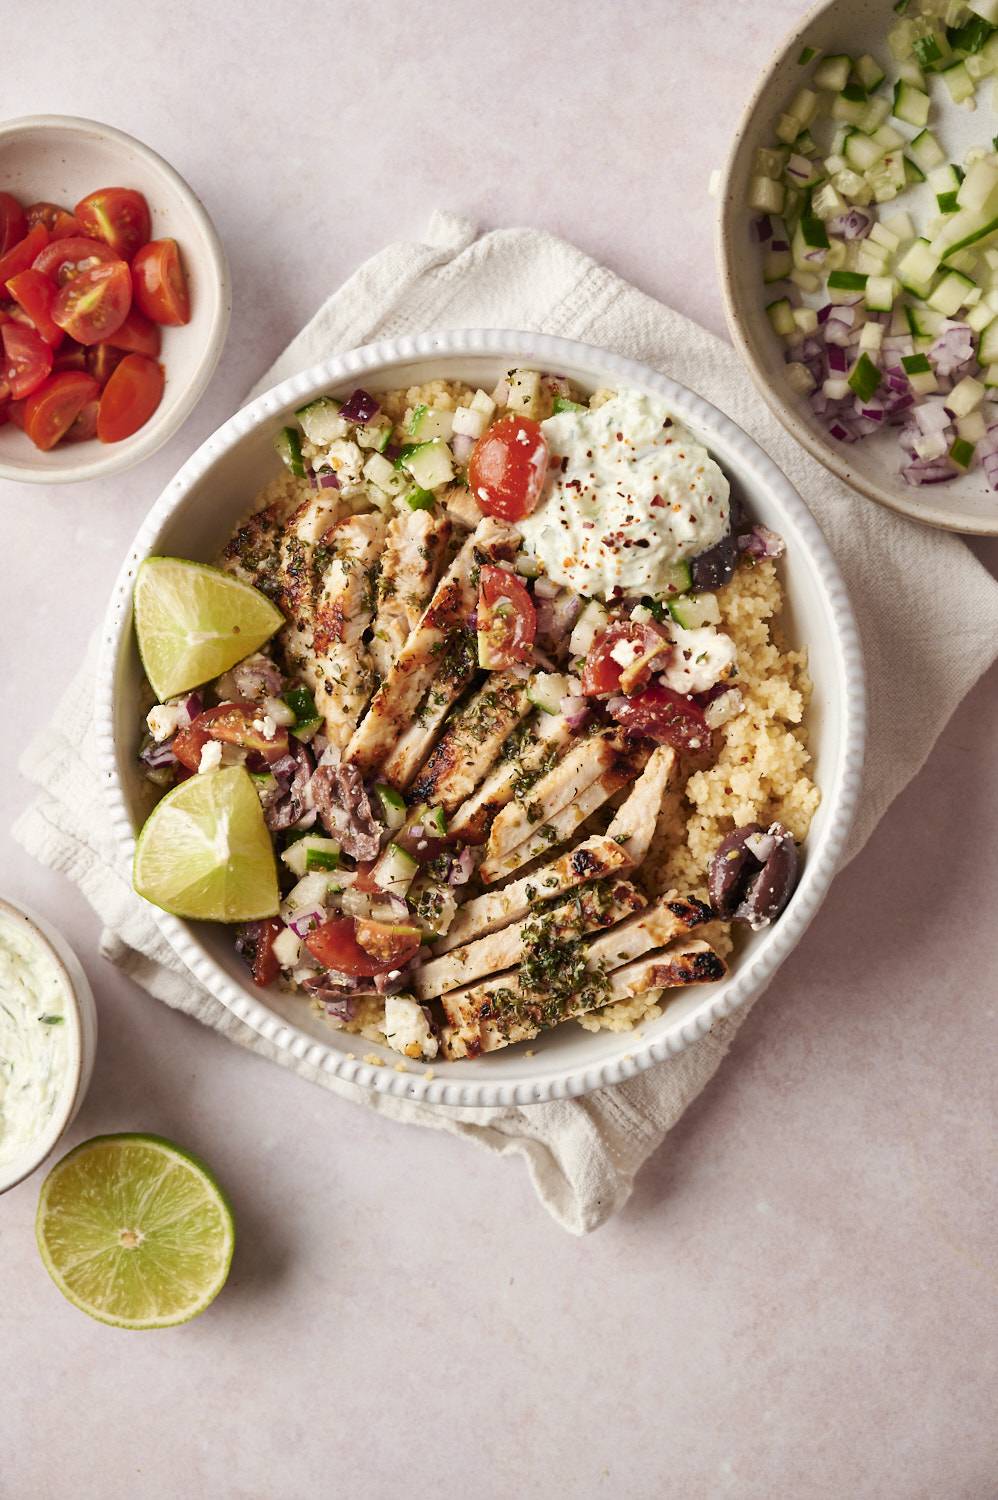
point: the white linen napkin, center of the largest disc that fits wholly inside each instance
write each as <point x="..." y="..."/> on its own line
<point x="582" y="1154"/>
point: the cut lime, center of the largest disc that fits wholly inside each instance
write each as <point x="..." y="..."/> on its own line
<point x="204" y="851"/>
<point x="194" y="622"/>
<point x="134" y="1231"/>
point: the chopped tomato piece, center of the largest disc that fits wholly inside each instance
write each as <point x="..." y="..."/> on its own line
<point x="13" y="222"/>
<point x="59" y="222"/>
<point x="95" y="303"/>
<point x="63" y="259"/>
<point x="507" y="620"/>
<point x="395" y="943"/>
<point x="160" y="283"/>
<point x="334" y="944"/>
<point x="137" y="335"/>
<point x="118" y="215"/>
<point x="507" y="468"/>
<point x="27" y="359"/>
<point x="70" y="356"/>
<point x="50" y="411"/>
<point x="36" y="294"/>
<point x="624" y="647"/>
<point x="85" y="426"/>
<point x="130" y="397"/>
<point x="22" y="255"/>
<point x="15" y="413"/>
<point x="232" y="723"/>
<point x="102" y="361"/>
<point x="664" y="716"/>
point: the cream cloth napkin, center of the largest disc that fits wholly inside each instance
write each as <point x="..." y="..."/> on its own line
<point x="582" y="1154"/>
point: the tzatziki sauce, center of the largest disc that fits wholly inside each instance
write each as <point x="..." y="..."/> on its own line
<point x="629" y="492"/>
<point x="35" y="1041"/>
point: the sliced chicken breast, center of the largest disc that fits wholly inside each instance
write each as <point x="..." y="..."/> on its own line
<point x="471" y="741"/>
<point x="415" y="544"/>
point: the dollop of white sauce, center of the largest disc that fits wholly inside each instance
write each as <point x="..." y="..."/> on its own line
<point x="629" y="492"/>
<point x="34" y="1040"/>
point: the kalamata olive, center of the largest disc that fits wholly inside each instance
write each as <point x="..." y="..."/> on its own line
<point x="715" y="567"/>
<point x="731" y="869"/>
<point x="770" y="890"/>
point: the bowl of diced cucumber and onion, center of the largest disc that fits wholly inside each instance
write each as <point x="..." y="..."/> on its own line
<point x="858" y="249"/>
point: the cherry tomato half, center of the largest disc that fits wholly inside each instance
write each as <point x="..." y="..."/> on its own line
<point x="102" y="360"/>
<point x="137" y="335"/>
<point x="36" y="294"/>
<point x="27" y="359"/>
<point x="13" y="222"/>
<point x="666" y="717"/>
<point x="63" y="259"/>
<point x="59" y="222"/>
<point x="22" y="255"/>
<point x="160" y="283"/>
<point x="95" y="303"/>
<point x="15" y="413"/>
<point x="118" y="215"/>
<point x="70" y="356"/>
<point x="394" y="943"/>
<point x="129" y="399"/>
<point x="507" y="468"/>
<point x="232" y="723"/>
<point x="507" y="620"/>
<point x="637" y="644"/>
<point x="52" y="409"/>
<point x="85" y="426"/>
<point x="335" y="944"/>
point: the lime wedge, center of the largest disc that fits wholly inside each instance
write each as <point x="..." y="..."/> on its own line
<point x="205" y="852"/>
<point x="134" y="1231"/>
<point x="194" y="622"/>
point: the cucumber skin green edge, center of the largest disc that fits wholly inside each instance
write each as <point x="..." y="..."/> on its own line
<point x="145" y="1138"/>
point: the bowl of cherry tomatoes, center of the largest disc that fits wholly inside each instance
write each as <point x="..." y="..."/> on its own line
<point x="114" y="300"/>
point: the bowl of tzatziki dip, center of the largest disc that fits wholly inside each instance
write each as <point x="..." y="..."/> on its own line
<point x="48" y="1039"/>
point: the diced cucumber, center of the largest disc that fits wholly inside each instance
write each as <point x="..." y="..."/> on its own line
<point x="979" y="189"/>
<point x="546" y="689"/>
<point x="875" y="114"/>
<point x="781" y="316"/>
<point x="850" y="105"/>
<point x="675" y="579"/>
<point x="950" y="293"/>
<point x="846" y="281"/>
<point x="864" y="378"/>
<point x="769" y="163"/>
<point x="392" y="805"/>
<point x="871" y="337"/>
<point x="959" y="82"/>
<point x="310" y="894"/>
<point x="900" y="226"/>
<point x="808" y="281"/>
<point x="776" y="264"/>
<point x="929" y="44"/>
<point x="925" y="151"/>
<point x="431" y="464"/>
<point x="911" y="105"/>
<point x="965" y="228"/>
<point x="990" y="377"/>
<point x="965" y="396"/>
<point x="429" y="422"/>
<point x="591" y="621"/>
<point x="869" y="72"/>
<point x="963" y="260"/>
<point x="310" y="854"/>
<point x="435" y="822"/>
<point x="871" y="260"/>
<point x="799" y="378"/>
<point x="321" y="421"/>
<point x="979" y="316"/>
<point x="881" y="235"/>
<point x="971" y="35"/>
<point x="806" y="54"/>
<point x="419" y="499"/>
<point x="787" y="129"/>
<point x="806" y="319"/>
<point x="766" y="196"/>
<point x="693" y="610"/>
<point x="801" y="172"/>
<point x="987" y="348"/>
<point x="912" y="172"/>
<point x="921" y="375"/>
<point x="880" y="292"/>
<point x="832" y="73"/>
<point x="945" y="182"/>
<point x="908" y="71"/>
<point x="380" y="472"/>
<point x="852" y="186"/>
<point x="887" y="178"/>
<point x="862" y="152"/>
<point x="287" y="444"/>
<point x="972" y="427"/>
<point x="803" y="107"/>
<point x="917" y="268"/>
<point x="376" y="434"/>
<point x="805" y="144"/>
<point x="562" y="403"/>
<point x="962" y="453"/>
<point x="827" y="202"/>
<point x="394" y="870"/>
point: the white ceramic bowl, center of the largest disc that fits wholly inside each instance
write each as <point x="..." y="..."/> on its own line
<point x="59" y="159"/>
<point x="81" y="1030"/>
<point x="214" y="490"/>
<point x="871" y="465"/>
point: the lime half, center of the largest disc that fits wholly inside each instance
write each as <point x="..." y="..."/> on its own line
<point x="205" y="852"/>
<point x="194" y="622"/>
<point x="134" y="1231"/>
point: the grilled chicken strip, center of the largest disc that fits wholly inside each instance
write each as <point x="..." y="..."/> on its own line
<point x="563" y="824"/>
<point x="326" y="593"/>
<point x="668" y="919"/>
<point x="461" y="506"/>
<point x="588" y="909"/>
<point x="633" y="824"/>
<point x="254" y="553"/>
<point x="505" y="1014"/>
<point x="437" y="655"/>
<point x="471" y="741"/>
<point x="524" y="761"/>
<point x="578" y="768"/>
<point x="415" y="543"/>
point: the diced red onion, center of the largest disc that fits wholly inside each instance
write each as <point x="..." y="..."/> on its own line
<point x="780" y="245"/>
<point x="462" y="446"/>
<point x="156" y="756"/>
<point x="761" y="542"/>
<point x="929" y="471"/>
<point x="328" y="480"/>
<point x="313" y="482"/>
<point x="854" y="225"/>
<point x="545" y="589"/>
<point x="575" y="709"/>
<point x="931" y="416"/>
<point x="837" y="359"/>
<point x="763" y="229"/>
<point x="360" y="408"/>
<point x="303" y="924"/>
<point x="189" y="709"/>
<point x="462" y="868"/>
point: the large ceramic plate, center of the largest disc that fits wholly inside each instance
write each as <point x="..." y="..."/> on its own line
<point x="195" y="515"/>
<point x="870" y="466"/>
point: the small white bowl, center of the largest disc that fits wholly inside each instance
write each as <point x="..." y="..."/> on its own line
<point x="81" y="1033"/>
<point x="965" y="504"/>
<point x="213" y="492"/>
<point x="59" y="159"/>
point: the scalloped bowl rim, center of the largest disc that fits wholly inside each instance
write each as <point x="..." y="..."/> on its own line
<point x="919" y="507"/>
<point x="754" y="969"/>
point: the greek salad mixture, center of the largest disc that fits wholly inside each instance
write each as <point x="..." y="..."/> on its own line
<point x="525" y="684"/>
<point x="879" y="254"/>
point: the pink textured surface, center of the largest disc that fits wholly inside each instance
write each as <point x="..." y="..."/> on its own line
<point x="799" y="1299"/>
